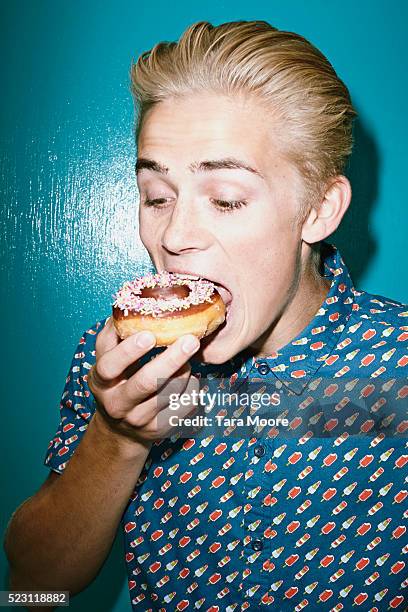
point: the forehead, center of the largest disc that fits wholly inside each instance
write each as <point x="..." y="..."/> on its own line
<point x="208" y="126"/>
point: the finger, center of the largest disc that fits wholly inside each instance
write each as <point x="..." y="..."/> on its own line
<point x="185" y="408"/>
<point x="134" y="367"/>
<point x="190" y="400"/>
<point x="145" y="415"/>
<point x="142" y="414"/>
<point x="111" y="365"/>
<point x="107" y="339"/>
<point x="153" y="375"/>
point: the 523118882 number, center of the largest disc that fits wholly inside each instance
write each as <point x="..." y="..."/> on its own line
<point x="34" y="598"/>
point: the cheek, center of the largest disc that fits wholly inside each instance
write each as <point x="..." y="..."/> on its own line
<point x="269" y="228"/>
<point x="270" y="247"/>
<point x="144" y="236"/>
<point x="270" y="273"/>
<point x="264" y="254"/>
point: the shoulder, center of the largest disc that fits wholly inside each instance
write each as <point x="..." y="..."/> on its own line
<point x="379" y="309"/>
<point x="386" y="318"/>
<point x="83" y="359"/>
<point x="76" y="406"/>
<point x="378" y="328"/>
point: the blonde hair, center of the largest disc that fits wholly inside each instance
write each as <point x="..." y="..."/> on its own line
<point x="282" y="70"/>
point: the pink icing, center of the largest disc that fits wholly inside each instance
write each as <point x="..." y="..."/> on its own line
<point x="128" y="297"/>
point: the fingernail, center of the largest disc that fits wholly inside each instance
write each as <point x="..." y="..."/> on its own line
<point x="145" y="339"/>
<point x="190" y="344"/>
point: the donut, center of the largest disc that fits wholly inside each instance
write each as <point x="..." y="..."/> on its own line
<point x="169" y="305"/>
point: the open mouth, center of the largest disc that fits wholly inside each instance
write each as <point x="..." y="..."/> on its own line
<point x="222" y="290"/>
<point x="225" y="294"/>
<point x="227" y="299"/>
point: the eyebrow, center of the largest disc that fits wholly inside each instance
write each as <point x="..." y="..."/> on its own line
<point x="204" y="166"/>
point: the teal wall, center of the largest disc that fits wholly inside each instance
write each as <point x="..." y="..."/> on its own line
<point x="68" y="194"/>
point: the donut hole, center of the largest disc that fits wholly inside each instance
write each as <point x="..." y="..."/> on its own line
<point x="165" y="293"/>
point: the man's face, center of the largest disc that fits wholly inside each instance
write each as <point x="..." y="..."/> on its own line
<point x="250" y="250"/>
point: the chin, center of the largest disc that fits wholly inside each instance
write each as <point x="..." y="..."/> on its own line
<point x="211" y="356"/>
<point x="221" y="345"/>
<point x="214" y="350"/>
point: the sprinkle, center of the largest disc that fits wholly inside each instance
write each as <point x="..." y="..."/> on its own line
<point x="128" y="297"/>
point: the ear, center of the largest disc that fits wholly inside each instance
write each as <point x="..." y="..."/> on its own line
<point x="324" y="218"/>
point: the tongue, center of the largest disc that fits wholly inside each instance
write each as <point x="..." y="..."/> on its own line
<point x="224" y="293"/>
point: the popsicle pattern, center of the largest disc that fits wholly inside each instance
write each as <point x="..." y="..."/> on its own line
<point x="308" y="517"/>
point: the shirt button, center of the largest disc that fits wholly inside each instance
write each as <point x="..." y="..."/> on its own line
<point x="259" y="450"/>
<point x="263" y="368"/>
<point x="257" y="545"/>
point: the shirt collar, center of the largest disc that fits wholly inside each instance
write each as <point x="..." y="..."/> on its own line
<point x="299" y="360"/>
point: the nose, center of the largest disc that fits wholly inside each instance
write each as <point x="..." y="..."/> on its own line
<point x="184" y="231"/>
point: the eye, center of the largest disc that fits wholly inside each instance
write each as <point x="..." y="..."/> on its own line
<point x="228" y="205"/>
<point x="222" y="205"/>
<point x="157" y="203"/>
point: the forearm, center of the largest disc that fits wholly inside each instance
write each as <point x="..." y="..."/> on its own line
<point x="60" y="538"/>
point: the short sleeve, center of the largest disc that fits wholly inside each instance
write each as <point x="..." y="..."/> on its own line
<point x="77" y="404"/>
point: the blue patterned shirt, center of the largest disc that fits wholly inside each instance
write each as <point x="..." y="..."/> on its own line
<point x="302" y="507"/>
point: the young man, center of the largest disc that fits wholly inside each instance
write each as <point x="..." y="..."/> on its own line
<point x="243" y="132"/>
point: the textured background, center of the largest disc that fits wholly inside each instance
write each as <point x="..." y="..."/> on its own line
<point x="69" y="198"/>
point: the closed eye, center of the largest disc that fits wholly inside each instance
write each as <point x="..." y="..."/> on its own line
<point x="155" y="202"/>
<point x="228" y="205"/>
<point x="222" y="205"/>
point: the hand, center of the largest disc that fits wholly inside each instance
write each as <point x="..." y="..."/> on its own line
<point x="130" y="404"/>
